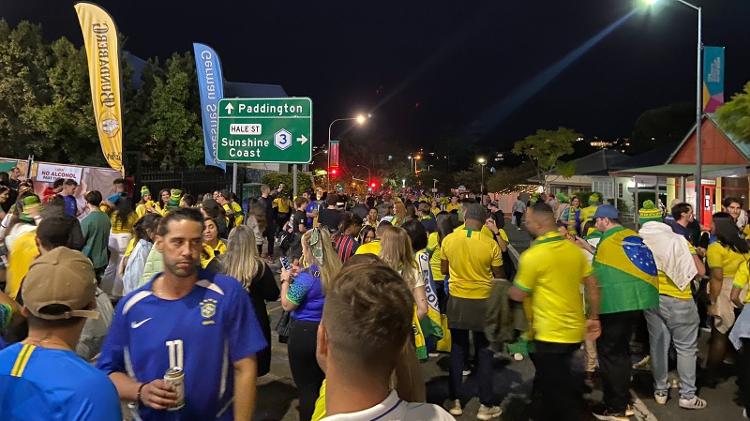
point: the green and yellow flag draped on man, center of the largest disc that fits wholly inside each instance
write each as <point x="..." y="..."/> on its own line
<point x="626" y="271"/>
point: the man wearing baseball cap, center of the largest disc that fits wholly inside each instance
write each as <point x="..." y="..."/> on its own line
<point x="627" y="275"/>
<point x="42" y="377"/>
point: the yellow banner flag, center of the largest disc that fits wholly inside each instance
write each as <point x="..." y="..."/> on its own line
<point x="100" y="40"/>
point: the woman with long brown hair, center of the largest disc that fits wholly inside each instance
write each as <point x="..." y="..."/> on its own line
<point x="242" y="262"/>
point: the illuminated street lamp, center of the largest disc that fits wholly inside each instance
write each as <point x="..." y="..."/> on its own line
<point x="482" y="162"/>
<point x="361" y="119"/>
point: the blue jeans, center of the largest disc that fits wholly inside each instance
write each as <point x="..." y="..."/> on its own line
<point x="483" y="370"/>
<point x="675" y="321"/>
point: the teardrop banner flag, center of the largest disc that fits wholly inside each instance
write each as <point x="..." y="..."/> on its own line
<point x="211" y="87"/>
<point x="103" y="56"/>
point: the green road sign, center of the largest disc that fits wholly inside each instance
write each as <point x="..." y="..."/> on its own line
<point x="265" y="130"/>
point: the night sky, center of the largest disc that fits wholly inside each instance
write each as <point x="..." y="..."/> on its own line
<point x="429" y="70"/>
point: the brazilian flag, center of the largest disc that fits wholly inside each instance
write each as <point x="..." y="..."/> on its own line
<point x="626" y="271"/>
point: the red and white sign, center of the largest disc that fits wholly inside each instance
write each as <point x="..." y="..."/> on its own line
<point x="48" y="173"/>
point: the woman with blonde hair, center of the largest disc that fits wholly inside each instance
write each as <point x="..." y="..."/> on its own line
<point x="303" y="294"/>
<point x="242" y="262"/>
<point x="396" y="252"/>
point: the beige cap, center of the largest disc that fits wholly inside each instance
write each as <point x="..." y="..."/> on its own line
<point x="62" y="277"/>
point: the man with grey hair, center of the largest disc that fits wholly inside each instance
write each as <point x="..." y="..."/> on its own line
<point x="472" y="260"/>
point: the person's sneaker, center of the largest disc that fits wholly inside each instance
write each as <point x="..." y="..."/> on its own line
<point x="466" y="372"/>
<point x="744" y="413"/>
<point x="608" y="415"/>
<point x="456" y="410"/>
<point x="488" y="412"/>
<point x="661" y="397"/>
<point x="694" y="403"/>
<point x="644" y="364"/>
<point x="629" y="411"/>
<point x="433" y="355"/>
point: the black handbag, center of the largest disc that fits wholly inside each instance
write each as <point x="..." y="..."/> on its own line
<point x="284" y="326"/>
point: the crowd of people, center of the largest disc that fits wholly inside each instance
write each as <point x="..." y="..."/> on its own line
<point x="130" y="296"/>
<point x="161" y="304"/>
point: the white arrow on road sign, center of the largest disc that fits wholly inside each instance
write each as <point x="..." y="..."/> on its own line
<point x="229" y="108"/>
<point x="302" y="139"/>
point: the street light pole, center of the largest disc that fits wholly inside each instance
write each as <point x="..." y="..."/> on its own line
<point x="369" y="178"/>
<point x="698" y="110"/>
<point x="698" y="116"/>
<point x="361" y="120"/>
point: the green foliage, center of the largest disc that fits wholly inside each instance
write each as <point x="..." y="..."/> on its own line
<point x="508" y="180"/>
<point x="45" y="104"/>
<point x="66" y="120"/>
<point x="175" y="131"/>
<point x="583" y="196"/>
<point x="273" y="179"/>
<point x="23" y="87"/>
<point x="734" y="116"/>
<point x="545" y="148"/>
<point x="566" y="169"/>
<point x="664" y="125"/>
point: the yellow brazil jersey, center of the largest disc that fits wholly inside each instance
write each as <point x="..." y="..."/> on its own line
<point x="282" y="204"/>
<point x="668" y="287"/>
<point x="19" y="261"/>
<point x="209" y="253"/>
<point x="320" y="404"/>
<point x="722" y="257"/>
<point x="163" y="211"/>
<point x="118" y="227"/>
<point x="484" y="231"/>
<point x="142" y="209"/>
<point x="551" y="272"/>
<point x="131" y="245"/>
<point x="470" y="256"/>
<point x="373" y="247"/>
<point x="235" y="210"/>
<point x="435" y="256"/>
<point x="741" y="279"/>
<point x="451" y="207"/>
<point x="502" y="234"/>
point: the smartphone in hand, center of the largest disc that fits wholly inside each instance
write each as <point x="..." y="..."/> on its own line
<point x="285" y="263"/>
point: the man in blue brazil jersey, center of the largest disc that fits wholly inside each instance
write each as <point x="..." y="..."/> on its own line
<point x="41" y="378"/>
<point x="185" y="317"/>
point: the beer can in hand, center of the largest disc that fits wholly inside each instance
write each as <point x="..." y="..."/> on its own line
<point x="175" y="377"/>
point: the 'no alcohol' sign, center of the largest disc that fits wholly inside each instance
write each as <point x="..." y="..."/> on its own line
<point x="265" y="130"/>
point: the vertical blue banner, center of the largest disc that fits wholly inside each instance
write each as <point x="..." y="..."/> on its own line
<point x="211" y="86"/>
<point x="713" y="78"/>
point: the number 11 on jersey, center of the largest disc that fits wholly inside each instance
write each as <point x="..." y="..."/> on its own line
<point x="176" y="352"/>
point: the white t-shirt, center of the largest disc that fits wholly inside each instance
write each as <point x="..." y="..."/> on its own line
<point x="395" y="409"/>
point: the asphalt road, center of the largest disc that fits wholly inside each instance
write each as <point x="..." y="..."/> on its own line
<point x="276" y="399"/>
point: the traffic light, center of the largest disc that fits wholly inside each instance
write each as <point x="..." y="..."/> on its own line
<point x="333" y="172"/>
<point x="373" y="185"/>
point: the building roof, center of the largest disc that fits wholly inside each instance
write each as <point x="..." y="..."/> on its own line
<point x="600" y="162"/>
<point x="253" y="90"/>
<point x="650" y="158"/>
<point x="674" y="170"/>
<point x="742" y="148"/>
